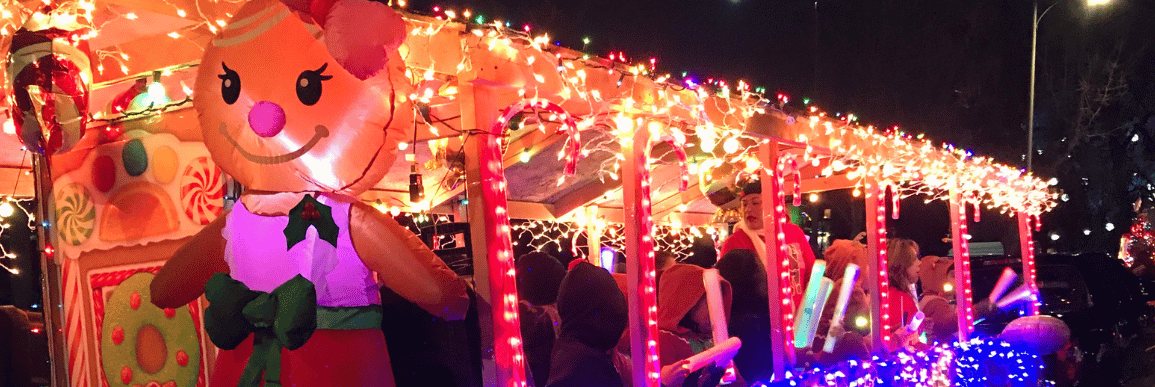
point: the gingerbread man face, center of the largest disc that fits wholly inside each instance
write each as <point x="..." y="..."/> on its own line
<point x="279" y="114"/>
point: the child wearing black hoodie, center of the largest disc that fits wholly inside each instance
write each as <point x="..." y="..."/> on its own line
<point x="593" y="316"/>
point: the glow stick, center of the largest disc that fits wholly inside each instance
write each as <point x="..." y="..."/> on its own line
<point x="914" y="295"/>
<point x="608" y="258"/>
<point x="819" y="305"/>
<point x="806" y="308"/>
<point x="1023" y="292"/>
<point x="848" y="281"/>
<point x="712" y="282"/>
<point x="915" y="322"/>
<point x="1004" y="283"/>
<point x="720" y="354"/>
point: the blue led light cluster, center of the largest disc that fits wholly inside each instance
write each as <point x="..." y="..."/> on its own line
<point x="979" y="362"/>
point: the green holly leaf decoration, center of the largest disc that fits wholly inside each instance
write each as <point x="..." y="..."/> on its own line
<point x="310" y="212"/>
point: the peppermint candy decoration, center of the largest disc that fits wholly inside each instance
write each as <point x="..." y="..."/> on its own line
<point x="202" y="191"/>
<point x="75" y="214"/>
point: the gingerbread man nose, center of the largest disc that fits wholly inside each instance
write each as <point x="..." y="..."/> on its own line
<point x="266" y="119"/>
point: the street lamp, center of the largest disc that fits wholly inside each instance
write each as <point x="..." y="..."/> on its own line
<point x="1034" y="48"/>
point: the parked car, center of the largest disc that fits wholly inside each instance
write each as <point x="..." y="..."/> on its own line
<point x="1100" y="300"/>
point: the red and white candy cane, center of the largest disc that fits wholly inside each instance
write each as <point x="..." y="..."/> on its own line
<point x="894" y="200"/>
<point x="569" y="126"/>
<point x="679" y="145"/>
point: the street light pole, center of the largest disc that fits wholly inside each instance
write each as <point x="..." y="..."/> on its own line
<point x="1035" y="17"/>
<point x="1031" y="104"/>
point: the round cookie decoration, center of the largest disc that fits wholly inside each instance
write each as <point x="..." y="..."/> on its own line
<point x="141" y="346"/>
<point x="202" y="191"/>
<point x="75" y="214"/>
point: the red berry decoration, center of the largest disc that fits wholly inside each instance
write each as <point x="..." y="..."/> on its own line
<point x="134" y="300"/>
<point x="153" y="384"/>
<point x="117" y="335"/>
<point x="169" y="384"/>
<point x="169" y="312"/>
<point x="126" y="375"/>
<point x="181" y="358"/>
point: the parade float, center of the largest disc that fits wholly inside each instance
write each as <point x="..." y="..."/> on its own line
<point x="490" y="122"/>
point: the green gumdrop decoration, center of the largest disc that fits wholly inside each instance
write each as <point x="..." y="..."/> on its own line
<point x="134" y="158"/>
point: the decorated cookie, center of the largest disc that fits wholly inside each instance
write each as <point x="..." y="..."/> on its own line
<point x="202" y="191"/>
<point x="75" y="214"/>
<point x="143" y="345"/>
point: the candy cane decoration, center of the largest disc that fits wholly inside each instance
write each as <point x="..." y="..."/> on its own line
<point x="894" y="200"/>
<point x="572" y="151"/>
<point x="678" y="141"/>
<point x="797" y="172"/>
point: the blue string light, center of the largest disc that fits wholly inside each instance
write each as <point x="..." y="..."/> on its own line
<point x="978" y="362"/>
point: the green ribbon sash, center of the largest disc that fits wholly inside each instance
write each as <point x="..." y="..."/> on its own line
<point x="285" y="318"/>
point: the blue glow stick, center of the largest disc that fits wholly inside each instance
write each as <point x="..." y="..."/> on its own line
<point x="802" y="330"/>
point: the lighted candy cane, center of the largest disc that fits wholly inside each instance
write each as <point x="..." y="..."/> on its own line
<point x="803" y="329"/>
<point x="849" y="278"/>
<point x="894" y="200"/>
<point x="797" y="172"/>
<point x="572" y="151"/>
<point x="677" y="140"/>
<point x="975" y="204"/>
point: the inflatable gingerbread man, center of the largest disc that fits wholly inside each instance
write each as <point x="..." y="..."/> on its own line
<point x="297" y="104"/>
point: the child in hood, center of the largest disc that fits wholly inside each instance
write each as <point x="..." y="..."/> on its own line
<point x="593" y="316"/>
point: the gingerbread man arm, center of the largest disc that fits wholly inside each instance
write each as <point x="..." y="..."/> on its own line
<point x="405" y="265"/>
<point x="183" y="277"/>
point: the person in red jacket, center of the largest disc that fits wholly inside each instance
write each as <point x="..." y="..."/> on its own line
<point x="902" y="267"/>
<point x="749" y="234"/>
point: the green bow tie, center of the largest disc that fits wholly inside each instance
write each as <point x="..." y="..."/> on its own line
<point x="285" y="318"/>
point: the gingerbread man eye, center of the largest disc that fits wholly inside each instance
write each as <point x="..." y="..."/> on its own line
<point x="230" y="85"/>
<point x="309" y="85"/>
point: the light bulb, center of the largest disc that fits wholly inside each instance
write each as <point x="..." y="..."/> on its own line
<point x="731" y="145"/>
<point x="6" y="209"/>
<point x="861" y="321"/>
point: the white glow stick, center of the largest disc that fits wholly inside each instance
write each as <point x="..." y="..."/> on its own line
<point x="720" y="354"/>
<point x="819" y="305"/>
<point x="1023" y="292"/>
<point x="915" y="322"/>
<point x="1004" y="283"/>
<point x="914" y="294"/>
<point x="805" y="313"/>
<point x="713" y="285"/>
<point x="848" y="280"/>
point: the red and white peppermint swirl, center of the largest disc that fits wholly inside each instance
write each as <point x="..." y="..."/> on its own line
<point x="202" y="191"/>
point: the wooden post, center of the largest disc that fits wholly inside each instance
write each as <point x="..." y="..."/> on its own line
<point x="877" y="283"/>
<point x="639" y="243"/>
<point x="503" y="361"/>
<point x="777" y="264"/>
<point x="50" y="272"/>
<point x="962" y="264"/>
<point x="1027" y="247"/>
